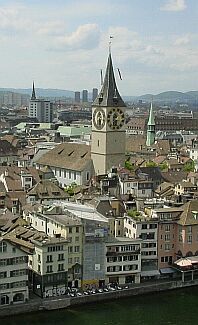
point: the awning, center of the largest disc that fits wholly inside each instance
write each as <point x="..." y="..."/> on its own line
<point x="150" y="273"/>
<point x="167" y="270"/>
<point x="183" y="262"/>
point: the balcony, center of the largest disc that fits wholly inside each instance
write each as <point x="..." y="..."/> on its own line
<point x="109" y="253"/>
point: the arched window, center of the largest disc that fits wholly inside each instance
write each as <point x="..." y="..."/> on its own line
<point x="179" y="253"/>
<point x="18" y="297"/>
<point x="3" y="247"/>
<point x="189" y="254"/>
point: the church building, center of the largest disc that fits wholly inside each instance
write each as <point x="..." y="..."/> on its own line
<point x="108" y="125"/>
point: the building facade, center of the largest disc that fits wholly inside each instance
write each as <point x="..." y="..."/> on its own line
<point x="13" y="274"/>
<point x="40" y="109"/>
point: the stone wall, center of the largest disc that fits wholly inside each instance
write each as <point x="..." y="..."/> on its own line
<point x="64" y="302"/>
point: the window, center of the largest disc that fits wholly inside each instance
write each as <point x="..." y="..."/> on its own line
<point x="69" y="174"/>
<point x="39" y="258"/>
<point x="87" y="176"/>
<point x="3" y="275"/>
<point x="39" y="268"/>
<point x="77" y="229"/>
<point x="3" y="247"/>
<point x="144" y="226"/>
<point x="14" y="249"/>
<point x="167" y="227"/>
<point x="76" y="249"/>
<point x="75" y="175"/>
<point x="70" y="261"/>
<point x="49" y="269"/>
<point x="189" y="239"/>
<point x="189" y="229"/>
<point x="49" y="258"/>
<point x="60" y="267"/>
<point x="60" y="257"/>
<point x="153" y="226"/>
<point x="70" y="230"/>
<point x="76" y="239"/>
<point x="167" y="237"/>
<point x="70" y="249"/>
<point x="77" y="260"/>
<point x="167" y="247"/>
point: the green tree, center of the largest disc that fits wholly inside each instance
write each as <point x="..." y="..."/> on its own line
<point x="163" y="165"/>
<point x="189" y="166"/>
<point x="151" y="163"/>
<point x="70" y="189"/>
<point x="128" y="165"/>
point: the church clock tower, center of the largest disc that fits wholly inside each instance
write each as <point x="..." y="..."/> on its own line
<point x="108" y="125"/>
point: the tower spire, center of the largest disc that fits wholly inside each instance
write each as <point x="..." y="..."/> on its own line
<point x="151" y="127"/>
<point x="109" y="94"/>
<point x="33" y="97"/>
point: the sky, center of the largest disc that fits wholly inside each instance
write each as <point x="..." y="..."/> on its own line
<point x="65" y="43"/>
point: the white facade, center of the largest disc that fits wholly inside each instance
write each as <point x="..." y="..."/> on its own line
<point x="123" y="261"/>
<point x="68" y="228"/>
<point x="66" y="177"/>
<point x="41" y="109"/>
<point x="50" y="262"/>
<point x="147" y="231"/>
<point x="194" y="156"/>
<point x="13" y="274"/>
<point x="139" y="189"/>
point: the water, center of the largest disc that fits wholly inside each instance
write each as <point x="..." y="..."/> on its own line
<point x="167" y="308"/>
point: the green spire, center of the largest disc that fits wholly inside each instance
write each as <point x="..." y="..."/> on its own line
<point x="151" y="120"/>
<point x="150" y="128"/>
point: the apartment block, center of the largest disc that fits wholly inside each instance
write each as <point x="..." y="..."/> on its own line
<point x="123" y="260"/>
<point x="13" y="273"/>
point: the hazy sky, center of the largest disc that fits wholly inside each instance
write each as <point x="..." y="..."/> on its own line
<point x="64" y="44"/>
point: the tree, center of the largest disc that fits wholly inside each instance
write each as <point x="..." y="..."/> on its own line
<point x="70" y="189"/>
<point x="151" y="163"/>
<point x="189" y="166"/>
<point x="163" y="165"/>
<point x="128" y="165"/>
<point x="133" y="214"/>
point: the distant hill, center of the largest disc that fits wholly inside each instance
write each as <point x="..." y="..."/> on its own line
<point x="40" y="92"/>
<point x="165" y="97"/>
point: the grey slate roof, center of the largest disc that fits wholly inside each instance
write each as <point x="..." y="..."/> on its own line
<point x="109" y="94"/>
<point x="67" y="155"/>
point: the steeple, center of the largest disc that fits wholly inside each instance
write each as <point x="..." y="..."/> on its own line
<point x="150" y="128"/>
<point x="33" y="97"/>
<point x="151" y="120"/>
<point x="109" y="94"/>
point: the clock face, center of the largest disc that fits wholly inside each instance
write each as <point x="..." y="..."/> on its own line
<point x="115" y="118"/>
<point x="99" y="118"/>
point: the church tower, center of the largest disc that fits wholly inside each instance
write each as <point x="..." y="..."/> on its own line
<point x="108" y="125"/>
<point x="150" y="128"/>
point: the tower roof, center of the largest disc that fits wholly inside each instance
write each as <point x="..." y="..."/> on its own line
<point x="33" y="92"/>
<point x="151" y="120"/>
<point x="109" y="94"/>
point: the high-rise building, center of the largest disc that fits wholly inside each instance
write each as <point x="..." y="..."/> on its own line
<point x="108" y="125"/>
<point x="77" y="97"/>
<point x="40" y="108"/>
<point x="151" y="128"/>
<point x="94" y="94"/>
<point x="85" y="96"/>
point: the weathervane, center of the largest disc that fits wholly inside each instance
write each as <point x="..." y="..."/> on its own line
<point x="110" y="37"/>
